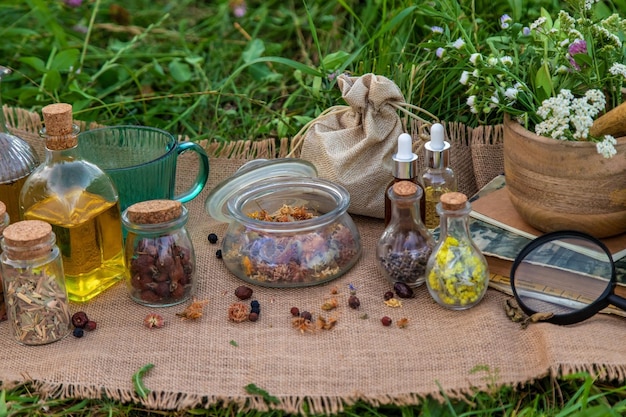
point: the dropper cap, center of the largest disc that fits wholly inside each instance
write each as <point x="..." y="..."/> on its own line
<point x="437" y="149"/>
<point x="404" y="161"/>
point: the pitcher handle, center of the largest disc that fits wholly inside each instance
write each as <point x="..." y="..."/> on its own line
<point x="203" y="171"/>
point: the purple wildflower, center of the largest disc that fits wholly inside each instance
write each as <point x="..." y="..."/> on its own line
<point x="436" y="29"/>
<point x="526" y="31"/>
<point x="73" y="3"/>
<point x="238" y="7"/>
<point x="439" y="52"/>
<point x="579" y="46"/>
<point x="504" y="21"/>
<point x="239" y="11"/>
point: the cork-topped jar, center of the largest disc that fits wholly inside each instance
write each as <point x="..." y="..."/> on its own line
<point x="405" y="245"/>
<point x="33" y="282"/>
<point x="159" y="255"/>
<point x="457" y="272"/>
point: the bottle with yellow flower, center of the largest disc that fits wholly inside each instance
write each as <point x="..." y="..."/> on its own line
<point x="457" y="274"/>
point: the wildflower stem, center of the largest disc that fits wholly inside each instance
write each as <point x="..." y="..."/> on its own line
<point x="92" y="21"/>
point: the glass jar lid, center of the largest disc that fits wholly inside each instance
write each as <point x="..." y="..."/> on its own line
<point x="251" y="173"/>
<point x="17" y="159"/>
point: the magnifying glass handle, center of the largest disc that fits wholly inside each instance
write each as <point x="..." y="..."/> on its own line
<point x="617" y="301"/>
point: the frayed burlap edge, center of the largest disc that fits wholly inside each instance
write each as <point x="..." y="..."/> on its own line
<point x="302" y="405"/>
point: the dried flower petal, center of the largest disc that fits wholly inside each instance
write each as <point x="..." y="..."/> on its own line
<point x="193" y="311"/>
<point x="153" y="320"/>
<point x="238" y="312"/>
<point x="393" y="302"/>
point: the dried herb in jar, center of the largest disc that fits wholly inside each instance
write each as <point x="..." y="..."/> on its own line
<point x="34" y="283"/>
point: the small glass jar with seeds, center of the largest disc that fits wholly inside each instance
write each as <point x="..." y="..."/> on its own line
<point x="160" y="258"/>
<point x="405" y="245"/>
<point x="34" y="284"/>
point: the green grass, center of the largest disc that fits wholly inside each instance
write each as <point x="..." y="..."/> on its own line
<point x="192" y="67"/>
<point x="575" y="395"/>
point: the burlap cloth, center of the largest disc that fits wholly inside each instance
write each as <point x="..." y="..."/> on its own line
<point x="212" y="360"/>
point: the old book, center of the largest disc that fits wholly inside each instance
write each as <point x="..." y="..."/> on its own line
<point x="493" y="206"/>
<point x="501" y="246"/>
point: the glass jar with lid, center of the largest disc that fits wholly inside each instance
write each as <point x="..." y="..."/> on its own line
<point x="457" y="273"/>
<point x="34" y="285"/>
<point x="287" y="228"/>
<point x="159" y="254"/>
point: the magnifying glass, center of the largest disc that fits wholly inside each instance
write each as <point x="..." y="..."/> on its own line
<point x="569" y="274"/>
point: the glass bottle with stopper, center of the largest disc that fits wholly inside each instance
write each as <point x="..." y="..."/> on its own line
<point x="405" y="245"/>
<point x="438" y="178"/>
<point x="457" y="273"/>
<point x="17" y="160"/>
<point x="404" y="168"/>
<point x="81" y="203"/>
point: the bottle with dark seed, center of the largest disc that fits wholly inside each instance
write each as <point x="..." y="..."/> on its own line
<point x="405" y="245"/>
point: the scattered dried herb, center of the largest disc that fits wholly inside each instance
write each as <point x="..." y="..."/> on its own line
<point x="303" y="324"/>
<point x="330" y="304"/>
<point x="393" y="302"/>
<point x="325" y="324"/>
<point x="235" y="344"/>
<point x="153" y="320"/>
<point x="238" y="312"/>
<point x="402" y="323"/>
<point x="193" y="310"/>
<point x="536" y="318"/>
<point x="513" y="311"/>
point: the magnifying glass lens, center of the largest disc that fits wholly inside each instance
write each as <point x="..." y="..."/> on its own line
<point x="562" y="276"/>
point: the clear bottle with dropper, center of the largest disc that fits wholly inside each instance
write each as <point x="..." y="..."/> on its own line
<point x="438" y="178"/>
<point x="404" y="168"/>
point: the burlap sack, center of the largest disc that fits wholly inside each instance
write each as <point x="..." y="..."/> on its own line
<point x="353" y="145"/>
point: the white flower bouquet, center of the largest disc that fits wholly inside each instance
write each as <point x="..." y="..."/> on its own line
<point x="555" y="76"/>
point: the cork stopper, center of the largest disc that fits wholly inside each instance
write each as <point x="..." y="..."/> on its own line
<point x="59" y="130"/>
<point x="27" y="239"/>
<point x="3" y="210"/>
<point x="404" y="188"/>
<point x="154" y="211"/>
<point x="453" y="201"/>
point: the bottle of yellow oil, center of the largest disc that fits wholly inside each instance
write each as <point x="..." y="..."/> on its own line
<point x="81" y="203"/>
